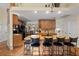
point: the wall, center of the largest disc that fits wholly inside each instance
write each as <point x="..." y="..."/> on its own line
<point x="5" y="25"/>
<point x="73" y="26"/>
<point x="1" y="25"/>
<point x="69" y="25"/>
<point x="3" y="22"/>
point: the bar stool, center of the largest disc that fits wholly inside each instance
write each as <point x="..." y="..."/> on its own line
<point x="66" y="46"/>
<point x="35" y="43"/>
<point x="58" y="44"/>
<point x="27" y="46"/>
<point x="71" y="44"/>
<point x="47" y="44"/>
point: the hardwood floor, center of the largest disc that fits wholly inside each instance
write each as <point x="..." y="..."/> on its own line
<point x="4" y="51"/>
<point x="53" y="52"/>
<point x="19" y="51"/>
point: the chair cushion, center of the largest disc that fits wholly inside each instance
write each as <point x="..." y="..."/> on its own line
<point x="57" y="44"/>
<point x="47" y="44"/>
<point x="68" y="44"/>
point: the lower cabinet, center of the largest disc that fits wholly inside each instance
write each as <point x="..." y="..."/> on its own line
<point x="17" y="40"/>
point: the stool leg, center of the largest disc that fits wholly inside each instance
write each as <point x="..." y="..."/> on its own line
<point x="63" y="50"/>
<point x="48" y="51"/>
<point x="24" y="49"/>
<point x="75" y="51"/>
<point x="70" y="50"/>
<point x="67" y="50"/>
<point x="43" y="51"/>
<point x="32" y="51"/>
<point x="35" y="51"/>
<point x="56" y="50"/>
<point x="29" y="49"/>
<point x="39" y="51"/>
<point x="52" y="50"/>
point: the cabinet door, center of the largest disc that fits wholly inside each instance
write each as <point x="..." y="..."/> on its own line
<point x="17" y="40"/>
<point x="49" y="24"/>
<point x="15" y="19"/>
<point x="12" y="5"/>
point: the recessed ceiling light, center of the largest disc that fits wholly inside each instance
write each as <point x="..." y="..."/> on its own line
<point x="35" y="12"/>
<point x="59" y="12"/>
<point x="47" y="12"/>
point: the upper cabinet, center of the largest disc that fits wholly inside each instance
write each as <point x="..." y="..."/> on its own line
<point x="12" y="4"/>
<point x="15" y="20"/>
<point x="47" y="24"/>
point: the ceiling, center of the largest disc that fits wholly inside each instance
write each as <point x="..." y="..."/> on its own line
<point x="65" y="11"/>
<point x="43" y="4"/>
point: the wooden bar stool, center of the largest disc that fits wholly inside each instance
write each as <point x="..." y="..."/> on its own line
<point x="35" y="43"/>
<point x="27" y="46"/>
<point x="71" y="44"/>
<point x="58" y="44"/>
<point x="47" y="44"/>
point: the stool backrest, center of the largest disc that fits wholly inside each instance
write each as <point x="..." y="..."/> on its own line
<point x="60" y="39"/>
<point x="48" y="40"/>
<point x="73" y="39"/>
<point x="27" y="42"/>
<point x="35" y="40"/>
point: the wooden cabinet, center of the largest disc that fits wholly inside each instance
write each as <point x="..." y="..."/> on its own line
<point x="48" y="24"/>
<point x="15" y="20"/>
<point x="17" y="40"/>
<point x="12" y="4"/>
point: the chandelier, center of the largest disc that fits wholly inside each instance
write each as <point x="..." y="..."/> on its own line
<point x="52" y="5"/>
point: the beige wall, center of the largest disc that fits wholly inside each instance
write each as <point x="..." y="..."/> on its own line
<point x="69" y="24"/>
<point x="3" y="24"/>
